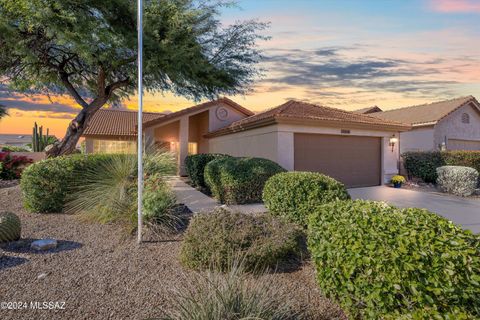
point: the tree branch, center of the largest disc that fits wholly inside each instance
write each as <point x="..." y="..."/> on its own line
<point x="71" y="89"/>
<point x="113" y="86"/>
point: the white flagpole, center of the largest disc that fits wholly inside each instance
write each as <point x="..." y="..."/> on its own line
<point x="140" y="118"/>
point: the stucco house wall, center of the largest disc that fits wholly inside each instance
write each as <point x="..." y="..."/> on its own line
<point x="417" y="139"/>
<point x="452" y="127"/>
<point x="276" y="142"/>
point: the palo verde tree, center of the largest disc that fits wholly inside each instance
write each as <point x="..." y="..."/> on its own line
<point x="88" y="48"/>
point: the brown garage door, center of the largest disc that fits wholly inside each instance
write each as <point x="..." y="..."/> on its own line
<point x="353" y="160"/>
<point x="458" y="144"/>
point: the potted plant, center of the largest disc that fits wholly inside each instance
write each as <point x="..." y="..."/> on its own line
<point x="397" y="181"/>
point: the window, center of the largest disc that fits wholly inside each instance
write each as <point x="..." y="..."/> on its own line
<point x="113" y="146"/>
<point x="465" y="118"/>
<point x="192" y="148"/>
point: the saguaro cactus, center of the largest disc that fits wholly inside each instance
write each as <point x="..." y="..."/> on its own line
<point x="10" y="227"/>
<point x="39" y="141"/>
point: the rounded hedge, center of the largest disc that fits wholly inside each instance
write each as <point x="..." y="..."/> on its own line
<point x="458" y="180"/>
<point x="221" y="237"/>
<point x="10" y="227"/>
<point x="295" y="195"/>
<point x="195" y="167"/>
<point x="239" y="180"/>
<point x="379" y="260"/>
<point x="46" y="184"/>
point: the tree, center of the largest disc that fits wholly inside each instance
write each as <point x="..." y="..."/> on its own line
<point x="3" y="111"/>
<point x="87" y="49"/>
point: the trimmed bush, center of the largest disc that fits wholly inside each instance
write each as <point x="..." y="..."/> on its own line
<point x="295" y="195"/>
<point x="10" y="227"/>
<point x="218" y="238"/>
<point x="195" y="166"/>
<point x="379" y="260"/>
<point x="45" y="184"/>
<point x="239" y="180"/>
<point x="461" y="181"/>
<point x="423" y="164"/>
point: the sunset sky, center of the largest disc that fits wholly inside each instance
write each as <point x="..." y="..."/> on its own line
<point x="342" y="53"/>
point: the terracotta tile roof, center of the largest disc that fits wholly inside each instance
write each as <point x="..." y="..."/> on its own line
<point x="117" y="122"/>
<point x="426" y="114"/>
<point x="302" y="111"/>
<point x="197" y="108"/>
<point x="368" y="110"/>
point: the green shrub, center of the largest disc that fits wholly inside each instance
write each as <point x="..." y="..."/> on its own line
<point x="195" y="167"/>
<point x="378" y="260"/>
<point x="239" y="180"/>
<point x="235" y="295"/>
<point x="158" y="201"/>
<point x="218" y="238"/>
<point x="45" y="184"/>
<point x="159" y="162"/>
<point x="295" y="195"/>
<point x="423" y="164"/>
<point x="10" y="227"/>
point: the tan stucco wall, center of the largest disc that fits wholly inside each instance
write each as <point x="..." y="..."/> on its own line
<point x="452" y="127"/>
<point x="417" y="139"/>
<point x="276" y="142"/>
<point x="167" y="133"/>
<point x="198" y="127"/>
<point x="261" y="142"/>
<point x="215" y="123"/>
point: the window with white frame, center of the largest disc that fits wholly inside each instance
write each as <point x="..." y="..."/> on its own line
<point x="192" y="148"/>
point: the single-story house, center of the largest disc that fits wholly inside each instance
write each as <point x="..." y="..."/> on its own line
<point x="357" y="149"/>
<point x="445" y="125"/>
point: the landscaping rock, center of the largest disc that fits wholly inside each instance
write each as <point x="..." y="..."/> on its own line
<point x="42" y="276"/>
<point x="44" y="244"/>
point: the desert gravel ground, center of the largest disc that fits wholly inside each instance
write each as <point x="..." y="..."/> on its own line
<point x="99" y="273"/>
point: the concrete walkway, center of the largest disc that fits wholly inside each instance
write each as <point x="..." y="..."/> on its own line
<point x="199" y="202"/>
<point x="465" y="212"/>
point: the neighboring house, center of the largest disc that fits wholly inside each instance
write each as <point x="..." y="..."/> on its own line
<point x="356" y="149"/>
<point x="451" y="125"/>
<point x="114" y="131"/>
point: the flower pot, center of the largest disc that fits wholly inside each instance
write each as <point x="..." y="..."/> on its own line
<point x="397" y="185"/>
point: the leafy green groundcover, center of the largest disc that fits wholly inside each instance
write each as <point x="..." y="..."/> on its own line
<point x="378" y="260"/>
<point x="295" y="195"/>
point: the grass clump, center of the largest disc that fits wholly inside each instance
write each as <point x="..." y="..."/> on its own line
<point x="231" y="296"/>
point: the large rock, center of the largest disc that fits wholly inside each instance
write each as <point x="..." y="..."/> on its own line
<point x="44" y="244"/>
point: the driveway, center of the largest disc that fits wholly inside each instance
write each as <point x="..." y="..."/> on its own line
<point x="465" y="212"/>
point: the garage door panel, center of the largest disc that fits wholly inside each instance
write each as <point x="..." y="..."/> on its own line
<point x="459" y="144"/>
<point x="353" y="160"/>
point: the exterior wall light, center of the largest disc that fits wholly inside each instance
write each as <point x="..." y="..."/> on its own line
<point x="393" y="140"/>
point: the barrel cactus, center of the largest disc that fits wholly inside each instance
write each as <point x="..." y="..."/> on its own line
<point x="10" y="227"/>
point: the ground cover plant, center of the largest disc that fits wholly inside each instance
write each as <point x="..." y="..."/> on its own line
<point x="220" y="237"/>
<point x="378" y="260"/>
<point x="232" y="295"/>
<point x="295" y="195"/>
<point x="239" y="180"/>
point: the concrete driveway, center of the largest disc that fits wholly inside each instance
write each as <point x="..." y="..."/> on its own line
<point x="465" y="212"/>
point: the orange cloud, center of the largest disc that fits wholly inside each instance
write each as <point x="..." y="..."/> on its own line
<point x="460" y="6"/>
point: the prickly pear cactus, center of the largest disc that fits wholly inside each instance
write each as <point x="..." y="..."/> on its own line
<point x="10" y="227"/>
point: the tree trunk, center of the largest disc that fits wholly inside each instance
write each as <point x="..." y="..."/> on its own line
<point x="75" y="130"/>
